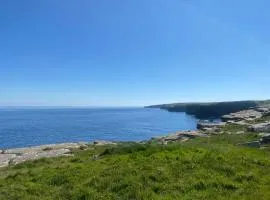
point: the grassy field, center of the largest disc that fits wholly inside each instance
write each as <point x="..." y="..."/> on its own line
<point x="204" y="168"/>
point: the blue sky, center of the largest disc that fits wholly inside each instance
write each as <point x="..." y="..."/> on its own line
<point x="133" y="52"/>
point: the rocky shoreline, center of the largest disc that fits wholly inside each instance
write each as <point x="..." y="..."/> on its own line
<point x="19" y="155"/>
<point x="246" y="118"/>
<point x="204" y="129"/>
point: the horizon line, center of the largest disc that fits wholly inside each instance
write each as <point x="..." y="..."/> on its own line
<point x="119" y="106"/>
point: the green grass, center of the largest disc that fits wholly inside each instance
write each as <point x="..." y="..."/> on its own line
<point x="205" y="168"/>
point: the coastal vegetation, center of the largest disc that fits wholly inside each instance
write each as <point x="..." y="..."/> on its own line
<point x="224" y="160"/>
<point x="215" y="167"/>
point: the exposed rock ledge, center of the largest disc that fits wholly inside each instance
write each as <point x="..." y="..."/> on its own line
<point x="261" y="127"/>
<point x="247" y="115"/>
<point x="244" y="117"/>
<point x="179" y="136"/>
<point x="19" y="155"/>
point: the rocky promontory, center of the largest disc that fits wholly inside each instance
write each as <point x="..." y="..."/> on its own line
<point x="213" y="109"/>
<point x="248" y="120"/>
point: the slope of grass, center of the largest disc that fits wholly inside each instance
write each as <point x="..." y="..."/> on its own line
<point x="206" y="168"/>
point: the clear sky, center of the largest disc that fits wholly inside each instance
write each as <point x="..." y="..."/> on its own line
<point x="133" y="52"/>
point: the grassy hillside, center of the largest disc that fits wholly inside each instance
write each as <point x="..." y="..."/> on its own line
<point x="208" y="110"/>
<point x="204" y="168"/>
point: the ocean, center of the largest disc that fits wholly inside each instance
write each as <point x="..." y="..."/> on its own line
<point x="22" y="127"/>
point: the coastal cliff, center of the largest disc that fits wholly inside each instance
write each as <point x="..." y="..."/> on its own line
<point x="210" y="110"/>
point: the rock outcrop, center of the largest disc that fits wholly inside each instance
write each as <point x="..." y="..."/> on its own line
<point x="264" y="110"/>
<point x="210" y="125"/>
<point x="5" y="159"/>
<point x="103" y="142"/>
<point x="242" y="123"/>
<point x="37" y="155"/>
<point x="19" y="155"/>
<point x="45" y="148"/>
<point x="265" y="138"/>
<point x="179" y="136"/>
<point x="244" y="115"/>
<point x="262" y="127"/>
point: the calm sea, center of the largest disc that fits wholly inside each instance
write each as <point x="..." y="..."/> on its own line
<point x="26" y="127"/>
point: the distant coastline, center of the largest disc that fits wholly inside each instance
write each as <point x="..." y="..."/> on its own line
<point x="206" y="110"/>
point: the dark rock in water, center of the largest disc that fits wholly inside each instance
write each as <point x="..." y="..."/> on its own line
<point x="262" y="127"/>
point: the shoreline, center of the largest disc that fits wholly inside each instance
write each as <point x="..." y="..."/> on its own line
<point x="13" y="156"/>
